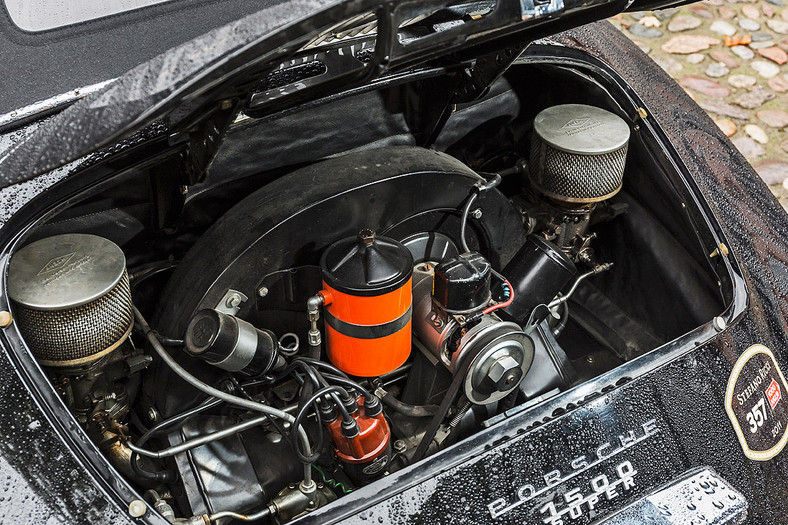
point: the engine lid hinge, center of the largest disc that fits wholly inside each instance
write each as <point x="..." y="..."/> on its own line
<point x="485" y="71"/>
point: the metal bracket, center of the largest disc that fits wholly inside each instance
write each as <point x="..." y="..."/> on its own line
<point x="231" y="302"/>
<point x="473" y="83"/>
<point x="485" y="71"/>
<point x="203" y="136"/>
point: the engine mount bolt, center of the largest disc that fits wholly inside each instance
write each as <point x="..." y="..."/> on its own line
<point x="262" y="291"/>
<point x="5" y="318"/>
<point x="138" y="508"/>
<point x="233" y="301"/>
<point x="719" y="324"/>
<point x="477" y="214"/>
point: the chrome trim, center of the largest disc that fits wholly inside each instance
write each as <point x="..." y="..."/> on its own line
<point x="49" y="104"/>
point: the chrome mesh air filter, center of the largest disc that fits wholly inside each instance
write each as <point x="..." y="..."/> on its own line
<point x="71" y="298"/>
<point x="578" y="153"/>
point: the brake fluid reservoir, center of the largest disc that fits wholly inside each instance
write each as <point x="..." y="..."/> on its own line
<point x="367" y="296"/>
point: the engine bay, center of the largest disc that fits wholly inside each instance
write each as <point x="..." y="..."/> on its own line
<point x="312" y="326"/>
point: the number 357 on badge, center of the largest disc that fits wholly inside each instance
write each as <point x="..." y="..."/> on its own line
<point x="756" y="404"/>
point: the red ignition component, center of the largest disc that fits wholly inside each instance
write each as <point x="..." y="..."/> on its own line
<point x="369" y="449"/>
<point x="367" y="296"/>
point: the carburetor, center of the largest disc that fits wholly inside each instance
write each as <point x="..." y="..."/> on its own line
<point x="454" y="321"/>
<point x="577" y="162"/>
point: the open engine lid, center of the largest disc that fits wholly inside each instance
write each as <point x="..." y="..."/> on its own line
<point x="50" y="48"/>
<point x="348" y="43"/>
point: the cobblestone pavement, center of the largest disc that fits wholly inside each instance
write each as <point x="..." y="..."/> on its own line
<point x="732" y="58"/>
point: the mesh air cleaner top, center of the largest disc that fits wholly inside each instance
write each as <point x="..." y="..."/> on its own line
<point x="578" y="153"/>
<point x="72" y="298"/>
<point x="65" y="271"/>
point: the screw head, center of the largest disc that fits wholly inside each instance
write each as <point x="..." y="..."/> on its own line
<point x="477" y="213"/>
<point x="399" y="446"/>
<point x="153" y="415"/>
<point x="5" y="318"/>
<point x="719" y="324"/>
<point x="233" y="301"/>
<point x="262" y="291"/>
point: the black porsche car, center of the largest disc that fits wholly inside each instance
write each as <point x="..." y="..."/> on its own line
<point x="344" y="261"/>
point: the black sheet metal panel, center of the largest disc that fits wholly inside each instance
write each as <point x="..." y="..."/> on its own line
<point x="41" y="64"/>
<point x="663" y="423"/>
<point x="43" y="482"/>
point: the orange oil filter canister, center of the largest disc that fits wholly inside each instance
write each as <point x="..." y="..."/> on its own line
<point x="367" y="296"/>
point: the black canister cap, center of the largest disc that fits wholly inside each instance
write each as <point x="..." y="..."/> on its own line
<point x="462" y="284"/>
<point x="366" y="264"/>
<point x="211" y="335"/>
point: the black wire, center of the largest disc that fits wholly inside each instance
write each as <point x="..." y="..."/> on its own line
<point x="337" y="375"/>
<point x="140" y="274"/>
<point x="322" y="364"/>
<point x="314" y="375"/>
<point x="464" y="219"/>
<point x="409" y="410"/>
<point x="317" y="379"/>
<point x="320" y="382"/>
<point x="304" y="393"/>
<point x="169" y="341"/>
<point x="475" y="190"/>
<point x="302" y="413"/>
<point x="273" y="421"/>
<point x="349" y="383"/>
